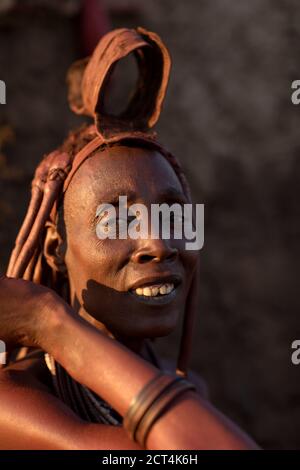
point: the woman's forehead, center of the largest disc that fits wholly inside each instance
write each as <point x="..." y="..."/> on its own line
<point x="124" y="170"/>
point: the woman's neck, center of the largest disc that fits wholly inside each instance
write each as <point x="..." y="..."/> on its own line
<point x="137" y="345"/>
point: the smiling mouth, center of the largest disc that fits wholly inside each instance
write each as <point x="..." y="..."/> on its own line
<point x="158" y="293"/>
<point x="155" y="290"/>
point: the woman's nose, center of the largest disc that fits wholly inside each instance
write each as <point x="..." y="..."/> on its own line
<point x="154" y="250"/>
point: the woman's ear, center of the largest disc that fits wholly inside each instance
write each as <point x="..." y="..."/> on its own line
<point x="54" y="249"/>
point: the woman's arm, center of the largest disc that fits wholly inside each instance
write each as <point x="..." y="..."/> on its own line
<point x="32" y="315"/>
<point x="32" y="418"/>
<point x="117" y="375"/>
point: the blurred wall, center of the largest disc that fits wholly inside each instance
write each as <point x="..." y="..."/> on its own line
<point x="229" y="118"/>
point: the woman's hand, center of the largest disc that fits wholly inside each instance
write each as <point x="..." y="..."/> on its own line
<point x="28" y="311"/>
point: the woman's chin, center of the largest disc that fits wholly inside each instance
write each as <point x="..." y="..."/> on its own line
<point x="152" y="329"/>
<point x="141" y="322"/>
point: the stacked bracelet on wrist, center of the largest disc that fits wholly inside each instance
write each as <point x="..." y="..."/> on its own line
<point x="152" y="401"/>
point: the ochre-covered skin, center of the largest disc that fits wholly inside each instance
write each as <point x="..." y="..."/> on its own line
<point x="97" y="328"/>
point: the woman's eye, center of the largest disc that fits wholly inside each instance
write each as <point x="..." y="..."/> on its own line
<point x="114" y="220"/>
<point x="131" y="218"/>
<point x="111" y="220"/>
<point x="127" y="220"/>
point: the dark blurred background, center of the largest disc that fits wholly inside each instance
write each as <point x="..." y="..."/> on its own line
<point x="228" y="116"/>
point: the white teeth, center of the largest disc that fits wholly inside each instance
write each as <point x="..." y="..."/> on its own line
<point x="153" y="291"/>
<point x="147" y="291"/>
<point x="169" y="288"/>
<point x="163" y="289"/>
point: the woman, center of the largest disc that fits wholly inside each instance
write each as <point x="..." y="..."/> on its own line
<point x="93" y="304"/>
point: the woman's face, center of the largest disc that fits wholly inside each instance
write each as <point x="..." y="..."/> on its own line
<point x="108" y="276"/>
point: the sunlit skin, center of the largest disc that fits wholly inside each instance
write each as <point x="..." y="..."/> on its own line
<point x="102" y="272"/>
